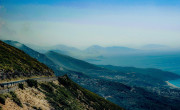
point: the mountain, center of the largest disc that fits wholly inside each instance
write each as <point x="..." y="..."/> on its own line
<point x="152" y="80"/>
<point x="40" y="57"/>
<point x="114" y="50"/>
<point x="47" y="95"/>
<point x="95" y="49"/>
<point x="40" y="49"/>
<point x="132" y="91"/>
<point x="65" y="48"/>
<point x="62" y="48"/>
<point x="128" y="75"/>
<point x="14" y="63"/>
<point x="71" y="63"/>
<point x="131" y="87"/>
<point x="92" y="52"/>
<point x="72" y="51"/>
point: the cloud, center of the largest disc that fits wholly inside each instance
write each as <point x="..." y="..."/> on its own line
<point x="5" y="31"/>
<point x="84" y="26"/>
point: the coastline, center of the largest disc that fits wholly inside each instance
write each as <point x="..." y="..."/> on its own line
<point x="172" y="85"/>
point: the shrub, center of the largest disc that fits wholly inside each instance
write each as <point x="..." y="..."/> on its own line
<point x="21" y="86"/>
<point x="7" y="95"/>
<point x="0" y="108"/>
<point x="36" y="108"/>
<point x="47" y="88"/>
<point x="32" y="83"/>
<point x="16" y="99"/>
<point x="2" y="99"/>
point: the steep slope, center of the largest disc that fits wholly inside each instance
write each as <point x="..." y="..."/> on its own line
<point x="138" y="91"/>
<point x="14" y="63"/>
<point x="85" y="97"/>
<point x="61" y="94"/>
<point x="71" y="63"/>
<point x="40" y="57"/>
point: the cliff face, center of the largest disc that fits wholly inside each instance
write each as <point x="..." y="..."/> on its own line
<point x="14" y="63"/>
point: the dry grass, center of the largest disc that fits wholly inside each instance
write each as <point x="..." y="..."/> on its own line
<point x="10" y="105"/>
<point x="30" y="97"/>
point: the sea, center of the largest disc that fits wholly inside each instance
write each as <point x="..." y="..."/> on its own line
<point x="169" y="63"/>
<point x="175" y="82"/>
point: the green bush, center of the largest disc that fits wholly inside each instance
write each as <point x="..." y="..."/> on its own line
<point x="2" y="99"/>
<point x="0" y="108"/>
<point x="36" y="108"/>
<point x="32" y="83"/>
<point x="21" y="86"/>
<point x="47" y="88"/>
<point x="7" y="95"/>
<point x="16" y="99"/>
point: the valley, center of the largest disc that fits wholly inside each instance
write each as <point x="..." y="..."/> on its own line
<point x="89" y="55"/>
<point x="120" y="85"/>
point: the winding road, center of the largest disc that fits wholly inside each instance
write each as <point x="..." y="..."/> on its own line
<point x="14" y="84"/>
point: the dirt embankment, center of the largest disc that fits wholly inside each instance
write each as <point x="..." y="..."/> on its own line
<point x="31" y="99"/>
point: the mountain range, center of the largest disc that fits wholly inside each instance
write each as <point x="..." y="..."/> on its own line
<point x="55" y="95"/>
<point x="130" y="88"/>
<point x="93" y="51"/>
<point x="148" y="56"/>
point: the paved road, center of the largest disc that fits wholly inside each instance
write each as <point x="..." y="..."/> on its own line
<point x="44" y="79"/>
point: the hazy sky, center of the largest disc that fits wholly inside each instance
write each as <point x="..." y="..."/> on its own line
<point x="81" y="23"/>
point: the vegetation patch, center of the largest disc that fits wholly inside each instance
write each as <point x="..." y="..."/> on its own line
<point x="15" y="63"/>
<point x="87" y="97"/>
<point x="36" y="108"/>
<point x="21" y="86"/>
<point x="68" y="95"/>
<point x="32" y="83"/>
<point x="2" y="99"/>
<point x="61" y="98"/>
<point x="47" y="88"/>
<point x="15" y="99"/>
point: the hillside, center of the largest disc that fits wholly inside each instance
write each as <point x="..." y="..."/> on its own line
<point x="146" y="78"/>
<point x="71" y="63"/>
<point x="154" y="73"/>
<point x="130" y="97"/>
<point x="14" y="63"/>
<point x="130" y="90"/>
<point x="61" y="94"/>
<point x="40" y="57"/>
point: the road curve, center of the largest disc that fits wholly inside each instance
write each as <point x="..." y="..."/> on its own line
<point x="43" y="79"/>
